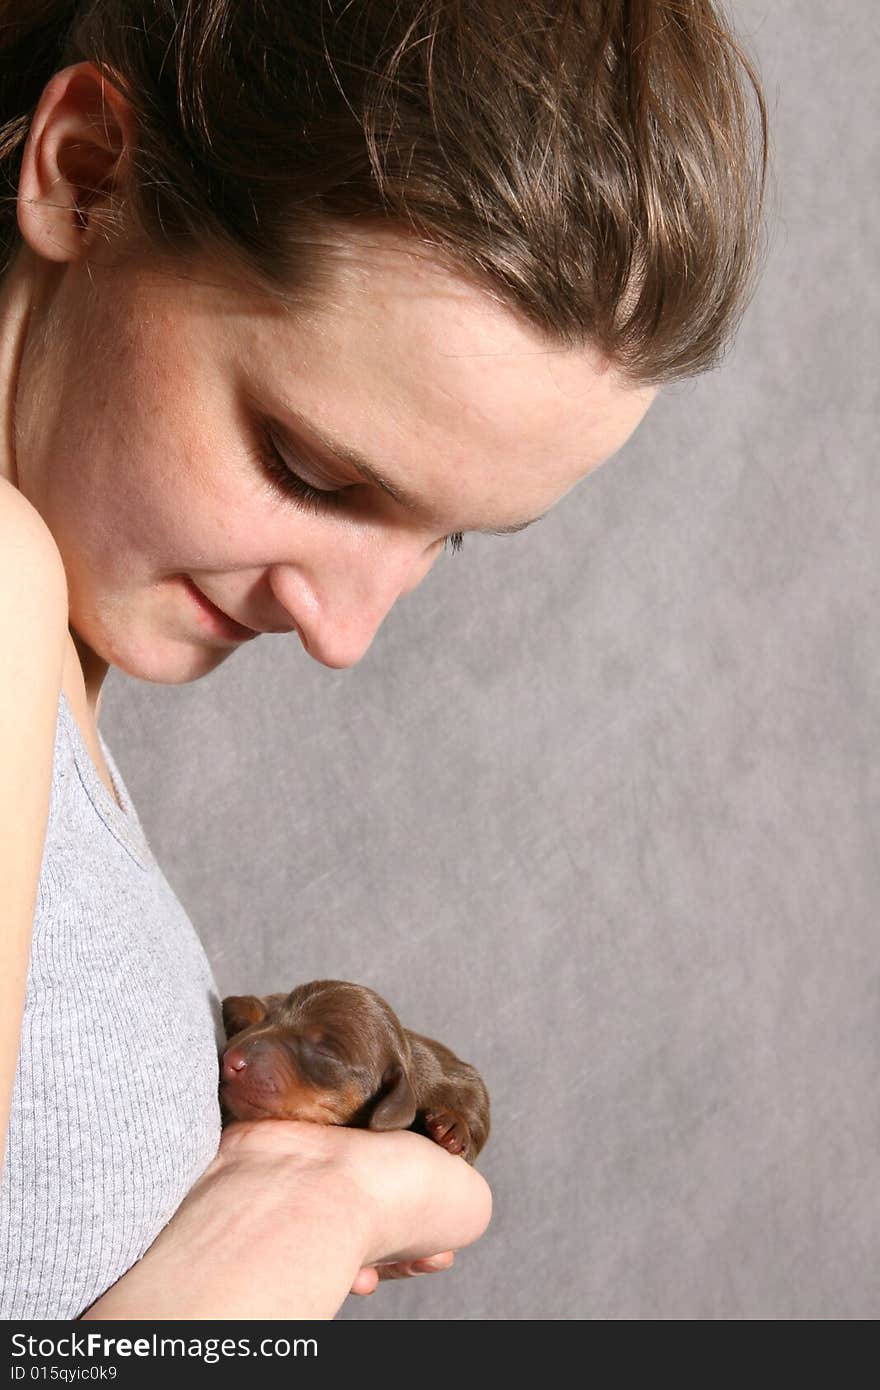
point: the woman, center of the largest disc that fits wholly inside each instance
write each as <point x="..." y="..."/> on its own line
<point x="292" y="298"/>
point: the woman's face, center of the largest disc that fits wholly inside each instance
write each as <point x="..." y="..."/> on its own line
<point x="142" y="403"/>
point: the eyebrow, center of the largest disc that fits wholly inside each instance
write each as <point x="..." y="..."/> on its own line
<point x="370" y="474"/>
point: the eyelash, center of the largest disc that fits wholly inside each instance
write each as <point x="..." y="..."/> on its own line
<point x="290" y="484"/>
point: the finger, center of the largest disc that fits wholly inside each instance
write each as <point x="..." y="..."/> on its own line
<point x="432" y="1264"/>
<point x="405" y="1269"/>
<point x="365" y="1281"/>
<point x="397" y="1271"/>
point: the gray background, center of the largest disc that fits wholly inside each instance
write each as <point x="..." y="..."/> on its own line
<point x="599" y="806"/>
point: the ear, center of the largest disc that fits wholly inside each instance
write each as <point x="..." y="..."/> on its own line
<point x="240" y="1011"/>
<point x="397" y="1108"/>
<point x="79" y="133"/>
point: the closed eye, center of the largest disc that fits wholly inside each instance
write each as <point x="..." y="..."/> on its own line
<point x="290" y="484"/>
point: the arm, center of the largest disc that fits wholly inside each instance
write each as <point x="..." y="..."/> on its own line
<point x="287" y="1214"/>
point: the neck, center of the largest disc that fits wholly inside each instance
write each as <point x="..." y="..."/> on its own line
<point x="94" y="669"/>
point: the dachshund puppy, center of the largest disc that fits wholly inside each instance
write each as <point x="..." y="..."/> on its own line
<point x="336" y="1054"/>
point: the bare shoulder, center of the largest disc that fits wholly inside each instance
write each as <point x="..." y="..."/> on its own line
<point x="33" y="615"/>
<point x="31" y="568"/>
<point x="21" y="521"/>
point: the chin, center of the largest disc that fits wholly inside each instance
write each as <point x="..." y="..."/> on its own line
<point x="164" y="661"/>
<point x="175" y="668"/>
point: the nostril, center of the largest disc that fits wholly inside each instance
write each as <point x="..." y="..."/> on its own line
<point x="234" y="1063"/>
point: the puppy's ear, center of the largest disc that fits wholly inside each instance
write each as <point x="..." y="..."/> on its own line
<point x="397" y="1108"/>
<point x="240" y="1011"/>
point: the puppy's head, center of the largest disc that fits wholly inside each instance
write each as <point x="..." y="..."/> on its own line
<point x="330" y="1052"/>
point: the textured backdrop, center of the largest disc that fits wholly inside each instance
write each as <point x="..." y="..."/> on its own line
<point x="599" y="808"/>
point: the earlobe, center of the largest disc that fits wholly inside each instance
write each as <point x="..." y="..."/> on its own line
<point x="75" y="155"/>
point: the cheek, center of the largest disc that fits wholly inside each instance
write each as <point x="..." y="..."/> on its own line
<point x="306" y="1102"/>
<point x="103" y="474"/>
<point x="138" y="459"/>
<point x="143" y="497"/>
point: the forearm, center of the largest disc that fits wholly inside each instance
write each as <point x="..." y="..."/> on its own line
<point x="285" y="1243"/>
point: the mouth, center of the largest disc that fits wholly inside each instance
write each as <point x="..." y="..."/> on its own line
<point x="214" y="619"/>
<point x="241" y="1107"/>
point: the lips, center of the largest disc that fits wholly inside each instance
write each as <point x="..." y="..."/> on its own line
<point x="219" y="622"/>
<point x="241" y="631"/>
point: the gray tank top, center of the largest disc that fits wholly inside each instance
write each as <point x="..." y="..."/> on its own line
<point x="114" y="1112"/>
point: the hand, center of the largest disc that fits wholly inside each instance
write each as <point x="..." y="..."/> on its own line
<point x="290" y="1216"/>
<point x="411" y="1197"/>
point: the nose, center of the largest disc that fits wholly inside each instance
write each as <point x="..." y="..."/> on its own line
<point x="340" y="600"/>
<point x="254" y="1062"/>
<point x="234" y="1064"/>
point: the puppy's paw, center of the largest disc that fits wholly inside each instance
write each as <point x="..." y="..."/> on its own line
<point x="449" y="1131"/>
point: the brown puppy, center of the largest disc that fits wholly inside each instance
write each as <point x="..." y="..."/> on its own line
<point x="336" y="1054"/>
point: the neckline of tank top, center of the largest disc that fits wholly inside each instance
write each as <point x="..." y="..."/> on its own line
<point x="122" y="820"/>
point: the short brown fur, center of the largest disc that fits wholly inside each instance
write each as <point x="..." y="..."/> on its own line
<point x="335" y="1053"/>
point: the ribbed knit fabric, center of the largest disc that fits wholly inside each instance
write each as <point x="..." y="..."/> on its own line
<point x="114" y="1113"/>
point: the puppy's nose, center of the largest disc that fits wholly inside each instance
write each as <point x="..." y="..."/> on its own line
<point x="234" y="1064"/>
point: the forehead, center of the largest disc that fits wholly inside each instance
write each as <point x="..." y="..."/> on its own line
<point x="431" y="378"/>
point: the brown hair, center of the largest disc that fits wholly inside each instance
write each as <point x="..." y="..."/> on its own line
<point x="599" y="165"/>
